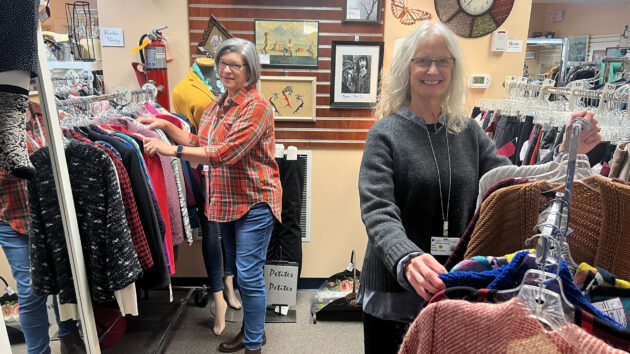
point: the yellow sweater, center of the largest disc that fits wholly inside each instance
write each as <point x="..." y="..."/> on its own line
<point x="191" y="97"/>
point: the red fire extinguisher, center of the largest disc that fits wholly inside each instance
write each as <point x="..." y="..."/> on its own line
<point x="153" y="69"/>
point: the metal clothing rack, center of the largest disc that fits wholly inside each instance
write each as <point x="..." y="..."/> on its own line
<point x="148" y="92"/>
<point x="516" y="85"/>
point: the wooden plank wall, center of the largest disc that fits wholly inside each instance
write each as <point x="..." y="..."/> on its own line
<point x="333" y="127"/>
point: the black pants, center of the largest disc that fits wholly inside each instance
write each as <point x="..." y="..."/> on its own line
<point x="381" y="336"/>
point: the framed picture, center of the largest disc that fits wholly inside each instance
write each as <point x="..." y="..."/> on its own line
<point x="292" y="98"/>
<point x="366" y="11"/>
<point x="212" y="37"/>
<point x="578" y="48"/>
<point x="355" y="73"/>
<point x="550" y="34"/>
<point x="537" y="35"/>
<point x="287" y="43"/>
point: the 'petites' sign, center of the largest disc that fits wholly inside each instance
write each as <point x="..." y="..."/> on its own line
<point x="281" y="282"/>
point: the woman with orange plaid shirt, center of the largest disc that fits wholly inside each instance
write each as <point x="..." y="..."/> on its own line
<point x="236" y="141"/>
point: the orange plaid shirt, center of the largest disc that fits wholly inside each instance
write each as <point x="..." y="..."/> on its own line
<point x="13" y="197"/>
<point x="239" y="139"/>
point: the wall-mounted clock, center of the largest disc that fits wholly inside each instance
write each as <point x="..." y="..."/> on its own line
<point x="473" y="18"/>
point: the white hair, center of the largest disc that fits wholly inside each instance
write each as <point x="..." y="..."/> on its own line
<point x="396" y="90"/>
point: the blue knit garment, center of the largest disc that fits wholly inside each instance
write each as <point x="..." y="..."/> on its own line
<point x="511" y="275"/>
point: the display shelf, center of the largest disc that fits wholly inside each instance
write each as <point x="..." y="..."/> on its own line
<point x="75" y="65"/>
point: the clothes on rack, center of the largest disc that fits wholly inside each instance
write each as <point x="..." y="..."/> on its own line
<point x="285" y="243"/>
<point x="598" y="219"/>
<point x="448" y="326"/>
<point x="477" y="278"/>
<point x="110" y="256"/>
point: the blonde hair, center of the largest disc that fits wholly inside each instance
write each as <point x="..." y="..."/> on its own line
<point x="396" y="91"/>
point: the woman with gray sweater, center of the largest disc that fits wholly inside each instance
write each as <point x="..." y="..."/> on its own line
<point x="419" y="180"/>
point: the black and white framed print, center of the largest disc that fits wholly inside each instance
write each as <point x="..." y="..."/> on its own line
<point x="364" y="11"/>
<point x="355" y="73"/>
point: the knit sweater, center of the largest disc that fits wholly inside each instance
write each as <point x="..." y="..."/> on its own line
<point x="110" y="257"/>
<point x="457" y="326"/>
<point x="398" y="189"/>
<point x="600" y="220"/>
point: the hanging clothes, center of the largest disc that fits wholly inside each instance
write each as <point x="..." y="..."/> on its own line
<point x="597" y="218"/>
<point x="148" y="209"/>
<point x="449" y="326"/>
<point x="110" y="257"/>
<point x="131" y="210"/>
<point x="285" y="243"/>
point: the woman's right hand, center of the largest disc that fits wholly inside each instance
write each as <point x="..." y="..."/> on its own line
<point x="154" y="123"/>
<point x="422" y="273"/>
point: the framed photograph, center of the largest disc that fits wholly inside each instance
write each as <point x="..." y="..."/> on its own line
<point x="366" y="11"/>
<point x="292" y="98"/>
<point x="212" y="37"/>
<point x="537" y="35"/>
<point x="578" y="48"/>
<point x="355" y="73"/>
<point x="550" y="34"/>
<point x="287" y="43"/>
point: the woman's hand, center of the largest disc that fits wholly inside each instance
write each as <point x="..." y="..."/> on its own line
<point x="154" y="146"/>
<point x="588" y="138"/>
<point x="154" y="123"/>
<point x="422" y="273"/>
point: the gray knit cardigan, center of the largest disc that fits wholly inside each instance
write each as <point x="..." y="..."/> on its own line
<point x="110" y="258"/>
<point x="399" y="193"/>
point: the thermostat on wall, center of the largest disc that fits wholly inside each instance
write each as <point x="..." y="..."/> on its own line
<point x="479" y="81"/>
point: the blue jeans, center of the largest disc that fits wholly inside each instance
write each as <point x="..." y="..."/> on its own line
<point x="212" y="255"/>
<point x="247" y="238"/>
<point x="33" y="313"/>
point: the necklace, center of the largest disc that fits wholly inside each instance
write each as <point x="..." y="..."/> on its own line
<point x="448" y="200"/>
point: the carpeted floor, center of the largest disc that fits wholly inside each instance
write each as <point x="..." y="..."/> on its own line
<point x="192" y="333"/>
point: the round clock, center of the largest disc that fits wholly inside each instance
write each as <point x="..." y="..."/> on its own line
<point x="473" y="18"/>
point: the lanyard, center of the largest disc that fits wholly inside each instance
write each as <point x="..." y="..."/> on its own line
<point x="448" y="200"/>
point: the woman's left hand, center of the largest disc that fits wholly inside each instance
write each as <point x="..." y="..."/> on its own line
<point x="588" y="138"/>
<point x="154" y="146"/>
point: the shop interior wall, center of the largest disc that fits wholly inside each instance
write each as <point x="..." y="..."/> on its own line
<point x="594" y="18"/>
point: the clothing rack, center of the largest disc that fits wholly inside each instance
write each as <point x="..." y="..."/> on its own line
<point x="517" y="85"/>
<point x="123" y="95"/>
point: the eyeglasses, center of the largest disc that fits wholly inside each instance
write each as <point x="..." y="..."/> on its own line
<point x="233" y="67"/>
<point x="442" y="63"/>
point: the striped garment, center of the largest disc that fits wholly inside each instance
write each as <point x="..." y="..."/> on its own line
<point x="459" y="326"/>
<point x="239" y="140"/>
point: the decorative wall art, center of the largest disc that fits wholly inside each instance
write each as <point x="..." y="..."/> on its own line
<point x="473" y="18"/>
<point x="212" y="37"/>
<point x="355" y="73"/>
<point x="292" y="98"/>
<point x="408" y="16"/>
<point x="287" y="43"/>
<point x="365" y="11"/>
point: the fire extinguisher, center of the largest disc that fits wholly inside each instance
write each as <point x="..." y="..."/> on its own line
<point x="153" y="68"/>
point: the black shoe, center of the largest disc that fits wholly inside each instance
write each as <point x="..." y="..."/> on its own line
<point x="72" y="344"/>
